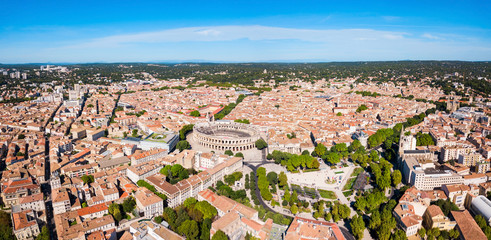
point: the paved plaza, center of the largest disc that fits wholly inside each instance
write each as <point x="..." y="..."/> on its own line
<point x="325" y="178"/>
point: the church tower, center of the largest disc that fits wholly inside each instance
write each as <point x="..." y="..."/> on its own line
<point x="406" y="142"/>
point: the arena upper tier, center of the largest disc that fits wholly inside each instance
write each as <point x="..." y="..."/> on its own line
<point x="226" y="135"/>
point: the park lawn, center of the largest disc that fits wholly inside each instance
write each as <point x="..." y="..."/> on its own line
<point x="327" y="194"/>
<point x="311" y="170"/>
<point x="348" y="193"/>
<point x="310" y="192"/>
<point x="349" y="184"/>
<point x="356" y="172"/>
<point x="297" y="188"/>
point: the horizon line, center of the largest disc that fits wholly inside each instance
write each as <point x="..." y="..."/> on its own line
<point x="238" y="62"/>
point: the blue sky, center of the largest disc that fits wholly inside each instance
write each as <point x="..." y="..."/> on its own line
<point x="244" y="31"/>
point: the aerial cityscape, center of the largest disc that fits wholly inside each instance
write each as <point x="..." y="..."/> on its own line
<point x="245" y="120"/>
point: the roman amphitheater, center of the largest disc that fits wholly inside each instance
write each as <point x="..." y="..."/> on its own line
<point x="225" y="135"/>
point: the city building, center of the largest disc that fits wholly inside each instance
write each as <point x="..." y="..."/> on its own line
<point x="480" y="205"/>
<point x="468" y="228"/>
<point x="147" y="230"/>
<point x="452" y="152"/>
<point x="470" y="159"/>
<point x="457" y="193"/>
<point x="302" y="228"/>
<point x="236" y="219"/>
<point x="25" y="225"/>
<point x="70" y="226"/>
<point x="142" y="171"/>
<point x="419" y="170"/>
<point x="177" y="193"/>
<point x="407" y="219"/>
<point x="148" y="203"/>
<point x="434" y="218"/>
<point x="146" y="156"/>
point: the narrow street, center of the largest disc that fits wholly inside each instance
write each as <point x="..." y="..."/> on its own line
<point x="46" y="188"/>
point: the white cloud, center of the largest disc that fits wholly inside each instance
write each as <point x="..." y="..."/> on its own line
<point x="231" y="33"/>
<point x="254" y="43"/>
<point x="432" y="37"/>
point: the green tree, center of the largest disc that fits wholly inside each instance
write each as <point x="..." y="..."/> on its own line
<point x="87" y="179"/>
<point x="169" y="215"/>
<point x="205" y="229"/>
<point x="355" y="146"/>
<point x="383" y="181"/>
<point x="229" y="152"/>
<point x="340" y="147"/>
<point x="239" y="154"/>
<point x="399" y="235"/>
<point x="166" y="170"/>
<point x="332" y="158"/>
<point x="195" y="113"/>
<point x="185" y="130"/>
<point x="320" y="149"/>
<point x="396" y="177"/>
<point x="261" y="144"/>
<point x="184" y="174"/>
<point x="118" y="216"/>
<point x="190" y="229"/>
<point x="454" y="234"/>
<point x="294" y="197"/>
<point x="190" y="202"/>
<point x="246" y="181"/>
<point x="272" y="178"/>
<point x="287" y="196"/>
<point x="361" y="108"/>
<point x="328" y="217"/>
<point x="129" y="204"/>
<point x="357" y="226"/>
<point x="375" y="220"/>
<point x="344" y="211"/>
<point x="424" y="139"/>
<point x="208" y="210"/>
<point x="182" y="216"/>
<point x="219" y="235"/>
<point x="446" y="206"/>
<point x="387" y="225"/>
<point x="44" y="235"/>
<point x="6" y="231"/>
<point x="229" y="179"/>
<point x="282" y="179"/>
<point x="176" y="169"/>
<point x="294" y="209"/>
<point x="183" y="144"/>
<point x="158" y="219"/>
<point x="422" y="232"/>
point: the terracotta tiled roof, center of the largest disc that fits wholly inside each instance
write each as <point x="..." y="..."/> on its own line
<point x="434" y="210"/>
<point x="467" y="226"/>
<point x="92" y="209"/>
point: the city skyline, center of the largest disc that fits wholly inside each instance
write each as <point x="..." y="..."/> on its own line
<point x="244" y="32"/>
